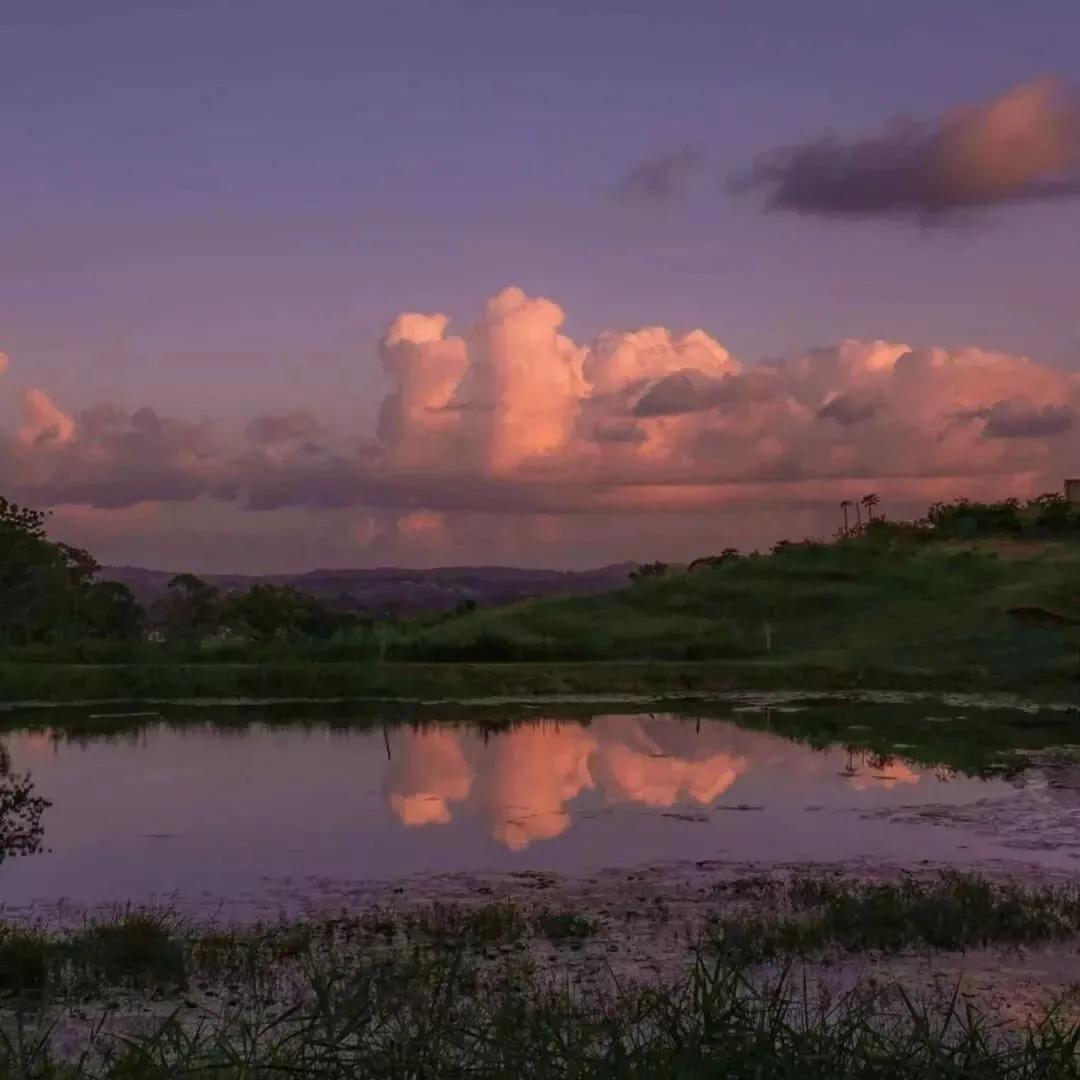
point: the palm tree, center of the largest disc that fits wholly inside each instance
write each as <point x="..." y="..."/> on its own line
<point x="844" y="509"/>
<point x="858" y="516"/>
<point x="870" y="501"/>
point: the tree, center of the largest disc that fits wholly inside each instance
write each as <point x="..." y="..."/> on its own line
<point x="844" y="505"/>
<point x="110" y="611"/>
<point x="266" y="612"/>
<point x="870" y="501"/>
<point x="42" y="584"/>
<point x="193" y="606"/>
<point x="1053" y="512"/>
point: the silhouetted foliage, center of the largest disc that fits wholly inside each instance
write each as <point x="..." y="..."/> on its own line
<point x="269" y="612"/>
<point x="192" y="608"/>
<point x="727" y="555"/>
<point x="20" y="813"/>
<point x="649" y="571"/>
<point x="47" y="589"/>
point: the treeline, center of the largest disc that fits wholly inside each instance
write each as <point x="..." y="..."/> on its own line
<point x="50" y="594"/>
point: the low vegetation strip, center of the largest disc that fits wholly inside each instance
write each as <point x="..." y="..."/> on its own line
<point x="955" y="912"/>
<point x="295" y="679"/>
<point x="460" y="991"/>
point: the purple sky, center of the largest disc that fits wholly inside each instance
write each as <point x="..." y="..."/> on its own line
<point x="216" y="207"/>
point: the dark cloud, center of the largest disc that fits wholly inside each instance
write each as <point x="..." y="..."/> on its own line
<point x="117" y="459"/>
<point x="628" y="433"/>
<point x="1016" y="420"/>
<point x="661" y="178"/>
<point x="847" y="410"/>
<point x="1023" y="145"/>
<point x="676" y="394"/>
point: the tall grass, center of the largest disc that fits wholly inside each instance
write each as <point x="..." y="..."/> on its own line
<point x="423" y="1014"/>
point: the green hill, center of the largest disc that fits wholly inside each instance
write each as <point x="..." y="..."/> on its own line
<point x="1007" y="612"/>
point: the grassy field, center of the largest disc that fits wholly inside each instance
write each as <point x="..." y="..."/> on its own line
<point x="991" y="615"/>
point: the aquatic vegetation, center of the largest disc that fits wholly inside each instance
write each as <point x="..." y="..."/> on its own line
<point x="137" y="947"/>
<point x="952" y="912"/>
<point x="24" y="962"/>
<point x="446" y="1013"/>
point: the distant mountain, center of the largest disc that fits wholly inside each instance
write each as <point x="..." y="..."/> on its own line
<point x="386" y="590"/>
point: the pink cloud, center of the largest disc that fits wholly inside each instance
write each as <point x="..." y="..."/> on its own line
<point x="44" y="422"/>
<point x="513" y="420"/>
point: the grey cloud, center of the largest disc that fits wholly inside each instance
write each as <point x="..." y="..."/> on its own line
<point x="285" y="427"/>
<point x="1015" y="420"/>
<point x="662" y="177"/>
<point x="119" y="459"/>
<point x="674" y="395"/>
<point x="847" y="410"/>
<point x="618" y="433"/>
<point x="1023" y="145"/>
<point x="690" y="391"/>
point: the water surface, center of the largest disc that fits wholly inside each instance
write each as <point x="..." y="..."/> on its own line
<point x="260" y="815"/>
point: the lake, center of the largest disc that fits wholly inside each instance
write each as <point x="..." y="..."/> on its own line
<point x="263" y="816"/>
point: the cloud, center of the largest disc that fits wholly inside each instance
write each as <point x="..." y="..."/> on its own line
<point x="484" y="432"/>
<point x="1016" y="419"/>
<point x="847" y="409"/>
<point x="683" y="392"/>
<point x="107" y="457"/>
<point x="44" y="422"/>
<point x="286" y="427"/>
<point x="1021" y="145"/>
<point x="662" y="177"/>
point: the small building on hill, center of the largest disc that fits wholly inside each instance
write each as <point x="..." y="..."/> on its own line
<point x="1072" y="490"/>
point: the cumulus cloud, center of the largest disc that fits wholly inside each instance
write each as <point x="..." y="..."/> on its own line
<point x="1021" y="145"/>
<point x="285" y="427"/>
<point x="108" y="457"/>
<point x="44" y="422"/>
<point x="661" y="177"/>
<point x="512" y="419"/>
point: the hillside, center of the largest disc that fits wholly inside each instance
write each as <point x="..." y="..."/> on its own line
<point x="398" y="590"/>
<point x="1007" y="609"/>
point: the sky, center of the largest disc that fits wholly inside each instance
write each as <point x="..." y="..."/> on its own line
<point x="559" y="283"/>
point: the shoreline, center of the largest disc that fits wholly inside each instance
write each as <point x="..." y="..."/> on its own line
<point x="24" y="683"/>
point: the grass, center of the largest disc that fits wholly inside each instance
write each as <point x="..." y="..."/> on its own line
<point x="418" y="1014"/>
<point x="955" y="912"/>
<point x="422" y="994"/>
<point x="24" y="962"/>
<point x="140" y="948"/>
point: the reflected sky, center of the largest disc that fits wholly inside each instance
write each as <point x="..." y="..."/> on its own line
<point x="246" y="815"/>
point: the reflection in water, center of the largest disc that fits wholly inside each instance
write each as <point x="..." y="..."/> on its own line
<point x="21" y="831"/>
<point x="274" y="817"/>
<point x="887" y="775"/>
<point x="525" y="779"/>
<point x="532" y="774"/>
<point x="427" y="774"/>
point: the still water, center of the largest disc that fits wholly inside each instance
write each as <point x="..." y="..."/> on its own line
<point x="200" y="814"/>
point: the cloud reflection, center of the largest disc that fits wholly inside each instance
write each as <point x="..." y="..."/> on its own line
<point x="523" y="782"/>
